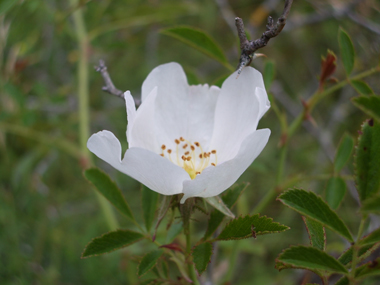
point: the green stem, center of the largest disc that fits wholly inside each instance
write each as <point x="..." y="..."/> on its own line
<point x="356" y="250"/>
<point x="192" y="273"/>
<point x="58" y="142"/>
<point x="186" y="210"/>
<point x="318" y="96"/>
<point x="313" y="101"/>
<point x="83" y="98"/>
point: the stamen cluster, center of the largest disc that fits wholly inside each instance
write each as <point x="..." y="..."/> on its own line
<point x="190" y="156"/>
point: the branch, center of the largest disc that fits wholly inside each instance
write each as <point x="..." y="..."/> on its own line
<point x="109" y="87"/>
<point x="248" y="48"/>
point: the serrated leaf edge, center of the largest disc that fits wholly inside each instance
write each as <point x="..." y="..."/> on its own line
<point x="308" y="232"/>
<point x="233" y="186"/>
<point x="249" y="236"/>
<point x="212" y="252"/>
<point x="318" y="272"/>
<point x="92" y="255"/>
<point x="319" y="197"/>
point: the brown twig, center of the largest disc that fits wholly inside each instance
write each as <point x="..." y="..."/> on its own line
<point x="249" y="47"/>
<point x="109" y="87"/>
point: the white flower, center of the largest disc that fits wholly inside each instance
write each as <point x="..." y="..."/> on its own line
<point x="195" y="140"/>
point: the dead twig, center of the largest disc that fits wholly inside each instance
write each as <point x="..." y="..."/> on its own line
<point x="109" y="87"/>
<point x="248" y="48"/>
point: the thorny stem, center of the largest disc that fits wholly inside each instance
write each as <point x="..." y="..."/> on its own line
<point x="83" y="98"/>
<point x="249" y="47"/>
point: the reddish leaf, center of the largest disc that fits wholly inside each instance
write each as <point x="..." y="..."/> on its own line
<point x="328" y="67"/>
<point x="173" y="246"/>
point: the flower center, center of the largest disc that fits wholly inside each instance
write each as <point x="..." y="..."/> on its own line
<point x="190" y="156"/>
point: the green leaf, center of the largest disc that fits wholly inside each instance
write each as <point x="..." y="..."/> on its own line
<point x="309" y="258"/>
<point x="202" y="256"/>
<point x="371" y="268"/>
<point x="250" y="226"/>
<point x="268" y="74"/>
<point x="111" y="241"/>
<point x="346" y="50"/>
<point x="367" y="168"/>
<point x="229" y="198"/>
<point x="109" y="190"/>
<point x="363" y="253"/>
<point x="317" y="233"/>
<point x="362" y="88"/>
<point x="372" y="238"/>
<point x="148" y="261"/>
<point x="335" y="191"/>
<point x="369" y="105"/>
<point x="343" y="153"/>
<point x="310" y="205"/>
<point x="6" y="5"/>
<point x="218" y="204"/>
<point x="199" y="40"/>
<point x="371" y="205"/>
<point x="343" y="281"/>
<point x="149" y="204"/>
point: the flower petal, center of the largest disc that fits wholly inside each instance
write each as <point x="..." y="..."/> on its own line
<point x="143" y="131"/>
<point x="154" y="171"/>
<point x="181" y="110"/>
<point x="169" y="78"/>
<point x="263" y="100"/>
<point x="214" y="180"/>
<point x="238" y="110"/>
<point x="131" y="112"/>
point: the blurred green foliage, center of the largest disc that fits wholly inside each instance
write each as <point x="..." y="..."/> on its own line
<point x="48" y="212"/>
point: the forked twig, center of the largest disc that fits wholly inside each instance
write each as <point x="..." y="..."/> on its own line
<point x="248" y="48"/>
<point x="109" y="87"/>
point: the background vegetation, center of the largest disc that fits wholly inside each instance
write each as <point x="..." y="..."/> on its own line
<point x="49" y="212"/>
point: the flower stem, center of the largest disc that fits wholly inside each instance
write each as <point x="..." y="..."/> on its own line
<point x="83" y="98"/>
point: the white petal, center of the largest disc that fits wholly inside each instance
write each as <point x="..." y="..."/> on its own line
<point x="107" y="147"/>
<point x="180" y="110"/>
<point x="154" y="171"/>
<point x="143" y="131"/>
<point x="264" y="101"/>
<point x="168" y="77"/>
<point x="131" y="112"/>
<point x="237" y="112"/>
<point x="214" y="180"/>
